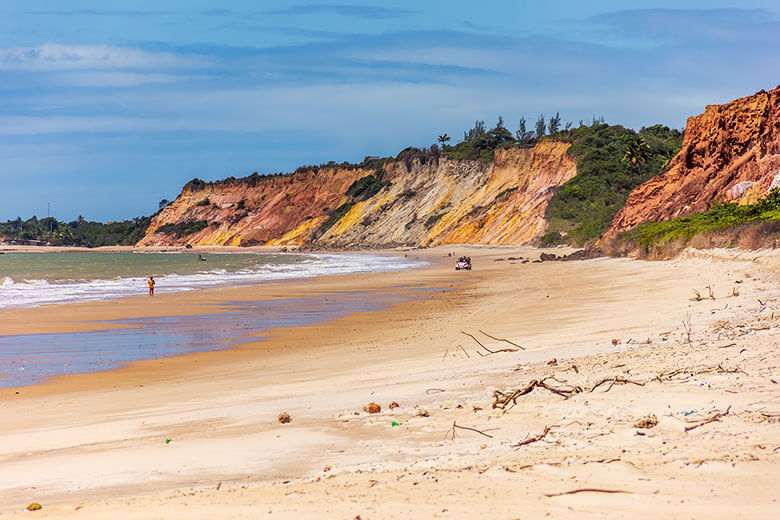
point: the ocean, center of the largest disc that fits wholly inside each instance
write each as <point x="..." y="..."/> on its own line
<point x="34" y="279"/>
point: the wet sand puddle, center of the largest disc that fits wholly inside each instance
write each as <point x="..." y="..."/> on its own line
<point x="27" y="359"/>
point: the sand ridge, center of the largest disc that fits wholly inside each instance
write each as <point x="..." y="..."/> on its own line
<point x="94" y="446"/>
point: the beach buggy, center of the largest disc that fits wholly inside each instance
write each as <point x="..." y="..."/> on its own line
<point x="464" y="262"/>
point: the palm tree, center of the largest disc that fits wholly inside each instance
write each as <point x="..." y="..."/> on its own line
<point x="636" y="151"/>
<point x="443" y="138"/>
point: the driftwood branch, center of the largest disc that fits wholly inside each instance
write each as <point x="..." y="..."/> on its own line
<point x="615" y="381"/>
<point x="708" y="420"/>
<point x="536" y="438"/>
<point x="483" y="346"/>
<point x="502" y="339"/>
<point x="455" y="425"/>
<point x="585" y="490"/>
<point x="502" y="399"/>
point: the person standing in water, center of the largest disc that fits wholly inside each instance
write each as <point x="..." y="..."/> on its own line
<point x="151" y="286"/>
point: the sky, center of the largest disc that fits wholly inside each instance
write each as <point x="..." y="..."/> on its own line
<point x="106" y="108"/>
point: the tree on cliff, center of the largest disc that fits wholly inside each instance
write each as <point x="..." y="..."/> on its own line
<point x="477" y="131"/>
<point x="541" y="126"/>
<point x="555" y="123"/>
<point x="443" y="138"/>
<point x="636" y="151"/>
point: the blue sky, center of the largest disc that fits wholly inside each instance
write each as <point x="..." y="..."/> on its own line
<point x="108" y="107"/>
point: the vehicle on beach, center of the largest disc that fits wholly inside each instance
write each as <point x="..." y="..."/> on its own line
<point x="464" y="262"/>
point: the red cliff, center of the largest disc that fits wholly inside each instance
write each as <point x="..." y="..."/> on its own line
<point x="729" y="152"/>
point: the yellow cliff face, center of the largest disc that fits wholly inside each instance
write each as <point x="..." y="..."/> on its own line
<point x="432" y="201"/>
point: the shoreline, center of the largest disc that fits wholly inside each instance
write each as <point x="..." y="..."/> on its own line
<point x="220" y="407"/>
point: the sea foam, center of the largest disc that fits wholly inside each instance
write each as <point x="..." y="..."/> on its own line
<point x="36" y="292"/>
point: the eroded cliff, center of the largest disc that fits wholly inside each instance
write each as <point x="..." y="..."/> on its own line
<point x="424" y="201"/>
<point x="730" y="152"/>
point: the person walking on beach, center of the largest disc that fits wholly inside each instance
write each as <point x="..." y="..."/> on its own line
<point x="151" y="286"/>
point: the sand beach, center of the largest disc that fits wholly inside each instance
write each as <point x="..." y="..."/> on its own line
<point x="621" y="393"/>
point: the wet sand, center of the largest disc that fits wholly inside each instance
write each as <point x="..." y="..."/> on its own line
<point x="94" y="446"/>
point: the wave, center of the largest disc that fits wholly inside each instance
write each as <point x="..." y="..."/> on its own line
<point x="33" y="293"/>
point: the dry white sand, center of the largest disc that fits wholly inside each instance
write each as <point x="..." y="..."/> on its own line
<point x="93" y="446"/>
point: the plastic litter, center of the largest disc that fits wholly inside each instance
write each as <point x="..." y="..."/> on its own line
<point x="168" y="441"/>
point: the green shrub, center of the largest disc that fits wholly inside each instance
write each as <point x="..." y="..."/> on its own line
<point x="552" y="238"/>
<point x="506" y="192"/>
<point x="720" y="217"/>
<point x="586" y="204"/>
<point x="335" y="215"/>
<point x="433" y="219"/>
<point x="183" y="228"/>
<point x="368" y="186"/>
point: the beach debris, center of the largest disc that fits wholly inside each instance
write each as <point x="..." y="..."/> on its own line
<point x="372" y="408"/>
<point x="648" y="421"/>
<point x="434" y="391"/>
<point x="464" y="350"/>
<point x="552" y="362"/>
<point x="35" y="506"/>
<point x="284" y="418"/>
<point x="585" y="490"/>
<point x="687" y="412"/>
<point x="502" y="339"/>
<point x="616" y="381"/>
<point x="503" y="399"/>
<point x="394" y="423"/>
<point x="535" y="438"/>
<point x="326" y="469"/>
<point x="455" y="425"/>
<point x="615" y="342"/>
<point x="168" y="440"/>
<point x="484" y="347"/>
<point x="219" y="485"/>
<point x="423" y="413"/>
<point x="394" y="405"/>
<point x="713" y="418"/>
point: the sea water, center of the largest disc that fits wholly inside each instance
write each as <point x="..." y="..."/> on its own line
<point x="33" y="279"/>
<point x="27" y="359"/>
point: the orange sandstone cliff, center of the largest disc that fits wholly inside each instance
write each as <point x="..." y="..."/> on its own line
<point x="730" y="152"/>
<point x="429" y="201"/>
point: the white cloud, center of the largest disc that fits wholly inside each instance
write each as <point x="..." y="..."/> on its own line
<point x="52" y="57"/>
<point x="117" y="79"/>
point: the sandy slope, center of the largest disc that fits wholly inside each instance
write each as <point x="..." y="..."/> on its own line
<point x="94" y="446"/>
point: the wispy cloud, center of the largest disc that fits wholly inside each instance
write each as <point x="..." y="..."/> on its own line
<point x="78" y="57"/>
<point x="99" y="12"/>
<point x="711" y="26"/>
<point x="356" y="11"/>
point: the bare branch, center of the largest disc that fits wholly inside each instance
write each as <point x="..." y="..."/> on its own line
<point x="502" y="339"/>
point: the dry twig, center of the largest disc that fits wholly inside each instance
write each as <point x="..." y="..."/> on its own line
<point x="502" y="339"/>
<point x="502" y="400"/>
<point x="483" y="346"/>
<point x="616" y="381"/>
<point x="708" y="420"/>
<point x="536" y="438"/>
<point x="455" y="425"/>
<point x="585" y="490"/>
